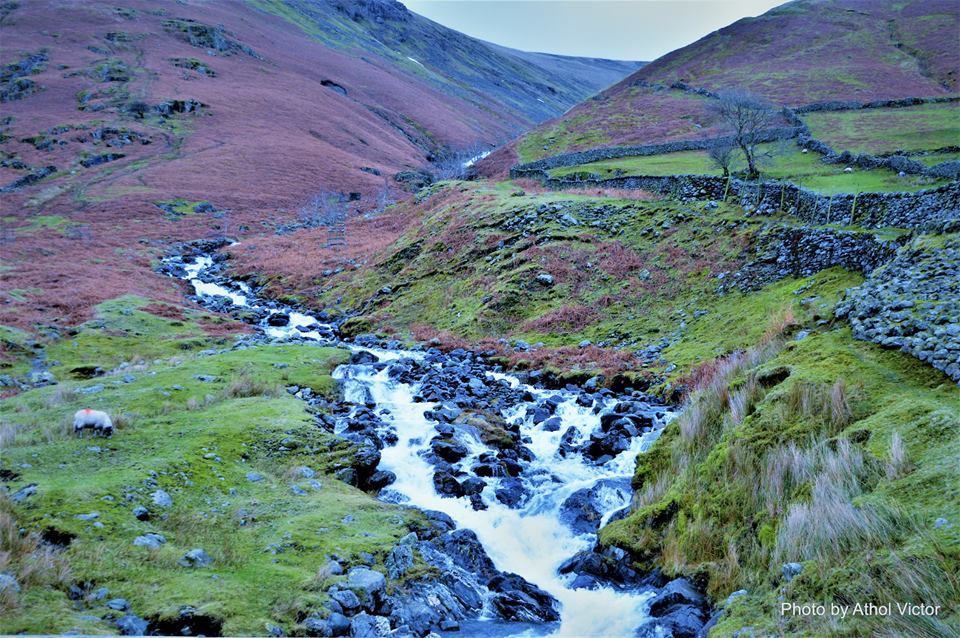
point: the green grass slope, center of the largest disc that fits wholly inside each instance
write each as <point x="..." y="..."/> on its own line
<point x="194" y="423"/>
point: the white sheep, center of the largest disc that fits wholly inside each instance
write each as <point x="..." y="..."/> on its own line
<point x="96" y="420"/>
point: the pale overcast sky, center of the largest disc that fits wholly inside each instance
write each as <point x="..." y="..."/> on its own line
<point x="618" y="29"/>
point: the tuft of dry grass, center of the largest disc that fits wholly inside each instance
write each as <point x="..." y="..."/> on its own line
<point x="319" y="581"/>
<point x="24" y="556"/>
<point x="8" y="434"/>
<point x="245" y="385"/>
<point x="32" y="430"/>
<point x="123" y="420"/>
<point x="840" y="412"/>
<point x="830" y="526"/>
<point x="829" y="405"/>
<point x="193" y="404"/>
<point x="61" y="396"/>
<point x="898" y="465"/>
<point x="652" y="491"/>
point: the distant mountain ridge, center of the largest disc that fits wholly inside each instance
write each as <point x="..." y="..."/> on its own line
<point x="532" y="86"/>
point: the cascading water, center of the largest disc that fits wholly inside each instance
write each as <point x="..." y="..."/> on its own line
<point x="530" y="541"/>
<point x="529" y="538"/>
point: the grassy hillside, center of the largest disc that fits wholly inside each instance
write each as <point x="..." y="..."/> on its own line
<point x="815" y="50"/>
<point x="802" y="52"/>
<point x="248" y="471"/>
<point x="879" y="131"/>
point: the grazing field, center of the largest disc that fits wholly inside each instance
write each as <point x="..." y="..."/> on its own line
<point x="248" y="472"/>
<point x="880" y="131"/>
<point x="777" y="161"/>
<point x="640" y="115"/>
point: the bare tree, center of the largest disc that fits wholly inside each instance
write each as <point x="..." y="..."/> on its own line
<point x="745" y="115"/>
<point x="323" y="209"/>
<point x="721" y="153"/>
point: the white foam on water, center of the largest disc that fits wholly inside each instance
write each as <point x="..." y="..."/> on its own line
<point x="530" y="541"/>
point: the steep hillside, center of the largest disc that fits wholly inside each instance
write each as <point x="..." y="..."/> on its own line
<point x="802" y="52"/>
<point x="119" y="119"/>
<point x="531" y="86"/>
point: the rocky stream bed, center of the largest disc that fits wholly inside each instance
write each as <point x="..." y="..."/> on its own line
<point x="514" y="477"/>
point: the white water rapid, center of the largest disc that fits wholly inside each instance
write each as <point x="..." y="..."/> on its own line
<point x="530" y="540"/>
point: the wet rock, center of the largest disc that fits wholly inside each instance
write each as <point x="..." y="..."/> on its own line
<point x="583" y="510"/>
<point x="610" y="567"/>
<point x="477" y="502"/>
<point x="365" y="460"/>
<point x="511" y="492"/>
<point x="380" y="479"/>
<point x="363" y="357"/>
<point x="364" y="625"/>
<point x="278" y="319"/>
<point x="568" y="442"/>
<point x="439" y="521"/>
<point x="552" y="424"/>
<point x="677" y="592"/>
<point x="339" y="624"/>
<point x="347" y="475"/>
<point x="347" y="600"/>
<point x="791" y="570"/>
<point x="24" y="493"/>
<point x="579" y="512"/>
<point x="447" y="485"/>
<point x="449" y="450"/>
<point x="118" y="604"/>
<point x="370" y="584"/>
<point x="399" y="560"/>
<point x="681" y="622"/>
<point x="161" y="498"/>
<point x="98" y="594"/>
<point x="195" y="558"/>
<point x="473" y="485"/>
<point x="150" y="540"/>
<point x="131" y="625"/>
<point x="449" y="624"/>
<point x="521" y="601"/>
<point x="444" y="414"/>
<point x="466" y="552"/>
<point x="315" y="626"/>
<point x="603" y="447"/>
<point x="678" y="609"/>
